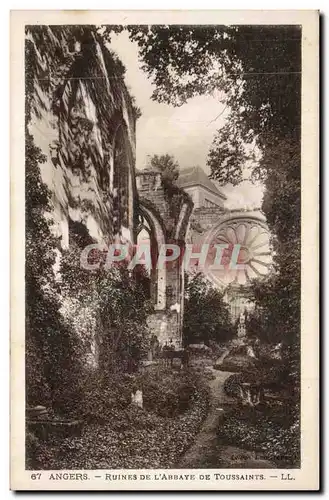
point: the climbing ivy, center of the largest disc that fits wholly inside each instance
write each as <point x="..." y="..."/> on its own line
<point x="109" y="309"/>
<point x="51" y="346"/>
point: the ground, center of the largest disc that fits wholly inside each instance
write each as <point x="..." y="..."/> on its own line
<point x="202" y="435"/>
<point x="206" y="452"/>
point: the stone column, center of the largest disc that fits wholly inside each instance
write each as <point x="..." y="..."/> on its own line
<point x="169" y="220"/>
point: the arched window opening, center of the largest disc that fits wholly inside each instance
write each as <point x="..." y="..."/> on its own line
<point x="150" y="232"/>
<point x="144" y="238"/>
<point x="143" y="274"/>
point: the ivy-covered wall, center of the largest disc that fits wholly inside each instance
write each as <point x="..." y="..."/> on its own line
<point x="82" y="118"/>
<point x="80" y="187"/>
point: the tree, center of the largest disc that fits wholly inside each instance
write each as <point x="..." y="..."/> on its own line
<point x="278" y="298"/>
<point x="175" y="196"/>
<point x="206" y="315"/>
<point x="256" y="70"/>
<point x="167" y="165"/>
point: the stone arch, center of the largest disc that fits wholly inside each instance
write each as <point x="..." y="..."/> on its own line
<point x="169" y="216"/>
<point x="157" y="238"/>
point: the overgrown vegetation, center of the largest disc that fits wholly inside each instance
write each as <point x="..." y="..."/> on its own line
<point x="265" y="416"/>
<point x="83" y="317"/>
<point x="257" y="72"/>
<point x="175" y="196"/>
<point x="120" y="435"/>
<point x="262" y="130"/>
<point x="271" y="431"/>
<point x="108" y="308"/>
<point x="52" y="348"/>
<point x="75" y="319"/>
<point x="206" y="316"/>
<point x="167" y="166"/>
<point x="86" y="331"/>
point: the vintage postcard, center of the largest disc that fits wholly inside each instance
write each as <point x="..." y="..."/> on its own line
<point x="164" y="250"/>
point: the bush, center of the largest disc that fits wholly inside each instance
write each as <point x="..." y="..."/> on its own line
<point x="104" y="398"/>
<point x="165" y="398"/>
<point x="108" y="309"/>
<point x="270" y="431"/>
<point x="238" y="364"/>
<point x="132" y="437"/>
<point x="206" y="317"/>
<point x="232" y="383"/>
<point x="200" y="350"/>
<point x="51" y="360"/>
<point x="31" y="446"/>
<point x="107" y="400"/>
<point x="217" y="349"/>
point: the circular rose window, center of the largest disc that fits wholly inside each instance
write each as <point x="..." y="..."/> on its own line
<point x="242" y="246"/>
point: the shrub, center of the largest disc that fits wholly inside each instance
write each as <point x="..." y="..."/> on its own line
<point x="50" y="359"/>
<point x="206" y="316"/>
<point x="104" y="398"/>
<point x="31" y="445"/>
<point x="266" y="430"/>
<point x="217" y="349"/>
<point x="132" y="437"/>
<point x="165" y="398"/>
<point x="108" y="309"/>
<point x="232" y="383"/>
<point x="238" y="364"/>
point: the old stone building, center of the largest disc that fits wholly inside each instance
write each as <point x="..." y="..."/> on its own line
<point x="212" y="223"/>
<point x="199" y="217"/>
<point x="202" y="190"/>
<point x="83" y="119"/>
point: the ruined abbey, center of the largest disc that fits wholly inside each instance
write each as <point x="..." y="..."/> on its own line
<point x="83" y="119"/>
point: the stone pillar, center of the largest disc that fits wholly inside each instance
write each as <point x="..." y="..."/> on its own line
<point x="168" y="213"/>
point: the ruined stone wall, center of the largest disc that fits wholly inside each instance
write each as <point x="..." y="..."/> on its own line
<point x="83" y="120"/>
<point x="203" y="219"/>
<point x="168" y="209"/>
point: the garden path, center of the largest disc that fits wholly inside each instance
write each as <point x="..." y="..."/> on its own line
<point x="206" y="451"/>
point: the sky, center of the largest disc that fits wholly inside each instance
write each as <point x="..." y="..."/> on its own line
<point x="186" y="132"/>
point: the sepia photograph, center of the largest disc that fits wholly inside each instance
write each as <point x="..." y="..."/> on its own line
<point x="162" y="251"/>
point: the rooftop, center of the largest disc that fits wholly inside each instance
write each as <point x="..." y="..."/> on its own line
<point x="196" y="176"/>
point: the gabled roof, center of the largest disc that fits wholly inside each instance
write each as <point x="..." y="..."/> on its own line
<point x="196" y="176"/>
